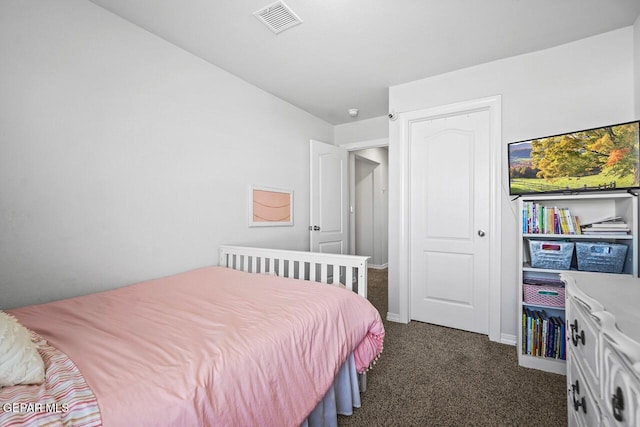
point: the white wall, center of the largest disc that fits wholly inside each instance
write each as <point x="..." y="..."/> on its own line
<point x="123" y="157"/>
<point x="361" y="130"/>
<point x="574" y="86"/>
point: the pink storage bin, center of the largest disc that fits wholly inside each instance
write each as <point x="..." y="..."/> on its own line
<point x="552" y="296"/>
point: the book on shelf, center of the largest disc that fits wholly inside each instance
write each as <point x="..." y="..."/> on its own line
<point x="536" y="333"/>
<point x="551" y="341"/>
<point x="607" y="220"/>
<point x="614" y="226"/>
<point x="620" y="224"/>
<point x="540" y="219"/>
<point x="542" y="334"/>
<point x="526" y="330"/>
<point x="569" y="221"/>
<point x="608" y="231"/>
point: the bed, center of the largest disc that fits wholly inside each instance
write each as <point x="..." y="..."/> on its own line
<point x="251" y="341"/>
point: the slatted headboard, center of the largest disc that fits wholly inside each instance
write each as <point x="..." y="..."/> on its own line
<point x="349" y="270"/>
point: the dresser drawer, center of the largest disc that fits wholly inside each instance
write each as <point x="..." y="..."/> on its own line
<point x="583" y="339"/>
<point x="582" y="402"/>
<point x="604" y="310"/>
<point x="620" y="387"/>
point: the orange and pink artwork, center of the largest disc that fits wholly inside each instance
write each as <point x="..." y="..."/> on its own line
<point x="271" y="207"/>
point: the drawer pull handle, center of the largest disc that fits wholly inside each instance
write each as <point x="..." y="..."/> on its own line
<point x="578" y="403"/>
<point x="575" y="389"/>
<point x="617" y="402"/>
<point x="576" y="338"/>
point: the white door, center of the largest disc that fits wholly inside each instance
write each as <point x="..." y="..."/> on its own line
<point x="450" y="218"/>
<point x="329" y="198"/>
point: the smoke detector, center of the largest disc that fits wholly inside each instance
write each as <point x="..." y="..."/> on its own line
<point x="353" y="112"/>
<point x="278" y="17"/>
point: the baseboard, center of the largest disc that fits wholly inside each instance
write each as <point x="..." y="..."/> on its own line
<point x="508" y="339"/>
<point x="378" y="267"/>
<point x="393" y="317"/>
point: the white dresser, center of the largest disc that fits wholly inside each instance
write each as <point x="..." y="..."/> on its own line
<point x="603" y="338"/>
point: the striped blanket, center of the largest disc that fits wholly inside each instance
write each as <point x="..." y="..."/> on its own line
<point x="64" y="399"/>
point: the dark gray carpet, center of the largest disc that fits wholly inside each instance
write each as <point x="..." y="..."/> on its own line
<point x="435" y="376"/>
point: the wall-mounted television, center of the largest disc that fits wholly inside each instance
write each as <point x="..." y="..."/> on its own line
<point x="598" y="159"/>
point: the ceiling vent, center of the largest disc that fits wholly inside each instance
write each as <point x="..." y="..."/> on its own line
<point x="278" y="17"/>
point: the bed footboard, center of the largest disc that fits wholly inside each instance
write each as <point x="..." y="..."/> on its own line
<point x="349" y="270"/>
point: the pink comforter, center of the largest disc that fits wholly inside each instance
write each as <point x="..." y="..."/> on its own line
<point x="213" y="346"/>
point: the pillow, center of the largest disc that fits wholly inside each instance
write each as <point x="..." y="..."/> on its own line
<point x="20" y="362"/>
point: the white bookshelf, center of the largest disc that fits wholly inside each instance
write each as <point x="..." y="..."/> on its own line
<point x="588" y="207"/>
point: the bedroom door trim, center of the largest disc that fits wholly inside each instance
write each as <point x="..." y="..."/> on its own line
<point x="494" y="106"/>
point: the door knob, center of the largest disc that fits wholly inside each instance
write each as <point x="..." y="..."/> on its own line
<point x="314" y="228"/>
<point x="481" y="233"/>
<point x="617" y="404"/>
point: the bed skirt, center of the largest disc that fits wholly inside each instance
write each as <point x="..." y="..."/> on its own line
<point x="342" y="397"/>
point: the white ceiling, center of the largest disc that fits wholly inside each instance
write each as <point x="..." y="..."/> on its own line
<point x="347" y="53"/>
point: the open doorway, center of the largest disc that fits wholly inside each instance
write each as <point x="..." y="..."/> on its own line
<point x="369" y="204"/>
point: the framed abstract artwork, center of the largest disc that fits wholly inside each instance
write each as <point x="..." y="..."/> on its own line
<point x="270" y="207"/>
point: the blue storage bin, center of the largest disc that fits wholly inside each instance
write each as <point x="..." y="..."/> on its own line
<point x="552" y="255"/>
<point x="601" y="257"/>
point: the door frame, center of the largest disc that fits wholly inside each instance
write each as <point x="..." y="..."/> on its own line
<point x="351" y="147"/>
<point x="494" y="106"/>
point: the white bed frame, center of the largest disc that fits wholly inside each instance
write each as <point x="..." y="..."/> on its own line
<point x="312" y="266"/>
